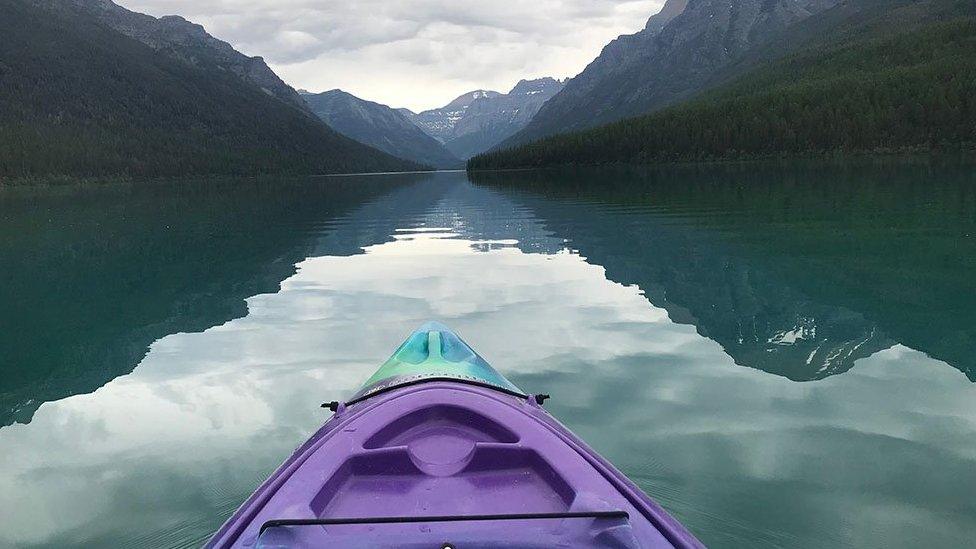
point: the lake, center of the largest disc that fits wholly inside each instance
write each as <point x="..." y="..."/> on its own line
<point x="781" y="355"/>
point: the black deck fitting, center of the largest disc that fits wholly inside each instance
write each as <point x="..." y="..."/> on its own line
<point x="334" y="405"/>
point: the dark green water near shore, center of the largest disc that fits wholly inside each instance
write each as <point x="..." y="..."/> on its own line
<point x="782" y="356"/>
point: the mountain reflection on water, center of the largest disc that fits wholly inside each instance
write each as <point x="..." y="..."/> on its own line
<point x="91" y="275"/>
<point x="798" y="273"/>
<point x="164" y="347"/>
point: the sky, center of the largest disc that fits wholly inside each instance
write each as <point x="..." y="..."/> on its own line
<point x="418" y="54"/>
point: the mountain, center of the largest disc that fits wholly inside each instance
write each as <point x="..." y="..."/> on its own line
<point x="439" y="123"/>
<point x="479" y="120"/>
<point x="680" y="52"/>
<point x="181" y="39"/>
<point x="489" y="121"/>
<point x="88" y="89"/>
<point x="864" y="76"/>
<point x="379" y="126"/>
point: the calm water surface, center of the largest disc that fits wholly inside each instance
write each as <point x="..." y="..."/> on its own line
<point x="781" y="357"/>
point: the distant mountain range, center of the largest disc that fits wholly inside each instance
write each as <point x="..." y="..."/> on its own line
<point x="379" y="126"/>
<point x="88" y="88"/>
<point x="479" y="120"/>
<point x="444" y="137"/>
<point x="712" y="79"/>
<point x="440" y="123"/>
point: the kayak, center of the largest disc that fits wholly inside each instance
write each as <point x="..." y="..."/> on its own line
<point x="437" y="449"/>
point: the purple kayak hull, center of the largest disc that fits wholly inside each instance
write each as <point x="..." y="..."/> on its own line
<point x="444" y="463"/>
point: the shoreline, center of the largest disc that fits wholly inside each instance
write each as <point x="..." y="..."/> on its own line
<point x="962" y="151"/>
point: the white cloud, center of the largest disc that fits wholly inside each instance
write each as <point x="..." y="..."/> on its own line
<point x="413" y="53"/>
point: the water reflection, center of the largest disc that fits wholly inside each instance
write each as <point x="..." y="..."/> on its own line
<point x="90" y="276"/>
<point x="795" y="272"/>
<point x="629" y="303"/>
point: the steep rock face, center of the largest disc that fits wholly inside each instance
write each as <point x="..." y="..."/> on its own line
<point x="679" y="53"/>
<point x="182" y="39"/>
<point x="440" y="123"/>
<point x="477" y="121"/>
<point x="379" y="126"/>
<point x="671" y="9"/>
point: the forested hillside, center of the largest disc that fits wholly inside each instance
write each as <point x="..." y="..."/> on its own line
<point x="885" y="92"/>
<point x="683" y="50"/>
<point x="79" y="99"/>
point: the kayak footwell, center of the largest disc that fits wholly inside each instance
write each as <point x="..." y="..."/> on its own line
<point x="446" y="463"/>
<point x="443" y="456"/>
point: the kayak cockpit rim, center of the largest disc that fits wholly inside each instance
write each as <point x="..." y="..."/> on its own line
<point x="476" y="383"/>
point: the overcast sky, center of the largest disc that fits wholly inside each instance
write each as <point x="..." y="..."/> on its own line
<point x="413" y="53"/>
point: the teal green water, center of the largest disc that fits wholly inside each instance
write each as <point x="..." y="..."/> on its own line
<point x="783" y="357"/>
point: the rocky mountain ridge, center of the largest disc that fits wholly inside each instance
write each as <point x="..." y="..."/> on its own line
<point x="440" y="123"/>
<point x="680" y="52"/>
<point x="379" y="126"/>
<point x="478" y="120"/>
<point x="181" y="39"/>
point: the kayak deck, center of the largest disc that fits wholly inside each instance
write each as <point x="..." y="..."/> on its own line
<point x="451" y="451"/>
<point x="439" y="450"/>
